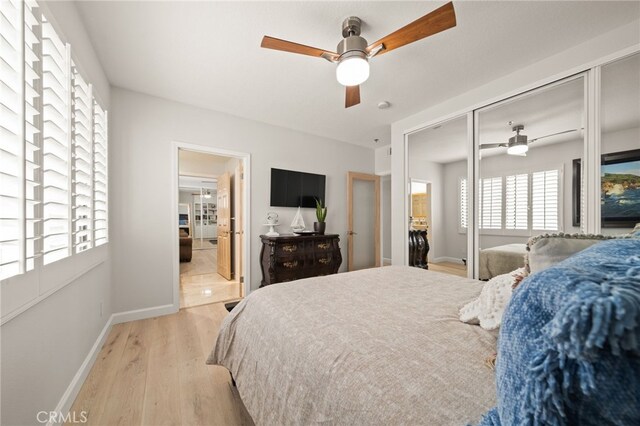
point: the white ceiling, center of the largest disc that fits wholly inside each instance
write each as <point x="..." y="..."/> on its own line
<point x="542" y="112"/>
<point x="207" y="54"/>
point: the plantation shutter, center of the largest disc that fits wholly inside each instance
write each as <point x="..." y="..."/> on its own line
<point x="491" y="203"/>
<point x="517" y="202"/>
<point x="544" y="200"/>
<point x="11" y="140"/>
<point x="82" y="163"/>
<point x="100" y="182"/>
<point x="463" y="204"/>
<point x="56" y="99"/>
<point x="33" y="158"/>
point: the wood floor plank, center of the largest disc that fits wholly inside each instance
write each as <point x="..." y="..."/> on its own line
<point x="94" y="393"/>
<point x="153" y="372"/>
<point x="162" y="391"/>
<point x="230" y="405"/>
<point x="124" y="407"/>
<point x="197" y="397"/>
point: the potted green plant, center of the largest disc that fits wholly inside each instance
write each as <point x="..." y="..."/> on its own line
<point x="321" y="215"/>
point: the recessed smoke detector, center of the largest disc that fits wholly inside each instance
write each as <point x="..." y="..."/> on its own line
<point x="383" y="105"/>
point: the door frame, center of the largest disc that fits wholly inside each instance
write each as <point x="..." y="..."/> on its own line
<point x="173" y="224"/>
<point x="428" y="188"/>
<point x="351" y="176"/>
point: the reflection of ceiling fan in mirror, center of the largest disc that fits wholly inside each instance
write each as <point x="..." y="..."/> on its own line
<point x="519" y="144"/>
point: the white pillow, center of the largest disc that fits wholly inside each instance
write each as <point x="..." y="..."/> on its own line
<point x="488" y="308"/>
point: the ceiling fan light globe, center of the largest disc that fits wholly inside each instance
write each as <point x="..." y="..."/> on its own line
<point x="352" y="71"/>
<point x="518" y="149"/>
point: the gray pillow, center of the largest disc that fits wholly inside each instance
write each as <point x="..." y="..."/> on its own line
<point x="549" y="249"/>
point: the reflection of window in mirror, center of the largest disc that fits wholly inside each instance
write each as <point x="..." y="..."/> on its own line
<point x="528" y="145"/>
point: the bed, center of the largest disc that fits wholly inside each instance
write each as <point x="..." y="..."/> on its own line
<point x="378" y="346"/>
<point x="500" y="260"/>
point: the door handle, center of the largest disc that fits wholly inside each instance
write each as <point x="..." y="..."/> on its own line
<point x="353" y="233"/>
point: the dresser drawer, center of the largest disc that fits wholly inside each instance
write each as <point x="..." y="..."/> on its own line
<point x="289" y="263"/>
<point x="289" y="249"/>
<point x="322" y="245"/>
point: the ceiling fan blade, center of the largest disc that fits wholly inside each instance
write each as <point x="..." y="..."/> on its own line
<point x="493" y="145"/>
<point x="352" y="96"/>
<point x="289" y="46"/>
<point x="432" y="23"/>
<point x="554" y="134"/>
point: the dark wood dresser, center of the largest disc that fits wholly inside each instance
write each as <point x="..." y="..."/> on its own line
<point x="292" y="257"/>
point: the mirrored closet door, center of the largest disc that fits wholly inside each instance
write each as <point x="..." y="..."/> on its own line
<point x="437" y="163"/>
<point x="527" y="149"/>
<point x="620" y="145"/>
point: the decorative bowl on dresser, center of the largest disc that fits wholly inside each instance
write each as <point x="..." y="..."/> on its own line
<point x="293" y="257"/>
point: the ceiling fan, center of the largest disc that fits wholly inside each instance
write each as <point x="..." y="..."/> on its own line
<point x="519" y="144"/>
<point x="353" y="52"/>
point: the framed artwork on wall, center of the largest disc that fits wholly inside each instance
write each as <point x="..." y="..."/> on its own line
<point x="619" y="189"/>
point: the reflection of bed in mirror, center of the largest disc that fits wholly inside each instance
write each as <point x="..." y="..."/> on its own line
<point x="500" y="260"/>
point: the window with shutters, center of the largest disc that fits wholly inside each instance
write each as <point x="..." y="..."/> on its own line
<point x="525" y="202"/>
<point x="56" y="146"/>
<point x="82" y="163"/>
<point x="463" y="202"/>
<point x="516" y="202"/>
<point x="53" y="147"/>
<point x="100" y="175"/>
<point x="545" y="195"/>
<point x="490" y="201"/>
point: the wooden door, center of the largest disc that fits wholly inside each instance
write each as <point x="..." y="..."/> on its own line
<point x="363" y="209"/>
<point x="224" y="225"/>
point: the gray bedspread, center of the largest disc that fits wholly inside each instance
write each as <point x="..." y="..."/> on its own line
<point x="374" y="347"/>
<point x="500" y="260"/>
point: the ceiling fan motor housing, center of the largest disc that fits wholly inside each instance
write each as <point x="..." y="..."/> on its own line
<point x="518" y="140"/>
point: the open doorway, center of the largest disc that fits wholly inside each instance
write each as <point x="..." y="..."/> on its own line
<point x="210" y="227"/>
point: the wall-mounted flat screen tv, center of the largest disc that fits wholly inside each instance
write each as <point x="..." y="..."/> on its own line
<point x="296" y="189"/>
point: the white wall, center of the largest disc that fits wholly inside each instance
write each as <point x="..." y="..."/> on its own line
<point x="572" y="60"/>
<point x="385" y="200"/>
<point x="44" y="346"/>
<point x="383" y="160"/>
<point x="143" y="128"/>
<point x="456" y="242"/>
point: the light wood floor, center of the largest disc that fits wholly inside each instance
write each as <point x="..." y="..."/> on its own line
<point x="200" y="284"/>
<point x="449" y="268"/>
<point x="153" y="372"/>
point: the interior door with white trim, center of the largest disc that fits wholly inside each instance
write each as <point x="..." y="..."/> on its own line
<point x="363" y="201"/>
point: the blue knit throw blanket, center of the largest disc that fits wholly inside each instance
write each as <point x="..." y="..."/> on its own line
<point x="569" y="345"/>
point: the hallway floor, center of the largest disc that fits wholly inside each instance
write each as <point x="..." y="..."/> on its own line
<point x="200" y="284"/>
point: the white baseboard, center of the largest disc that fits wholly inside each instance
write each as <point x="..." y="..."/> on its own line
<point x="386" y="261"/>
<point x="145" y="313"/>
<point x="69" y="395"/>
<point x="74" y="387"/>
<point x="448" y="259"/>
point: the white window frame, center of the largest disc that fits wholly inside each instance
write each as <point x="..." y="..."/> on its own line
<point x="22" y="291"/>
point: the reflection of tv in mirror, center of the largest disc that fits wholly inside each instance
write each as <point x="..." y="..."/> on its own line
<point x="296" y="189"/>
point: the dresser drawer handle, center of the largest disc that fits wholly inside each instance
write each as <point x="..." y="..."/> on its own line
<point x="290" y="264"/>
<point x="324" y="246"/>
<point x="324" y="261"/>
<point x="289" y="249"/>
